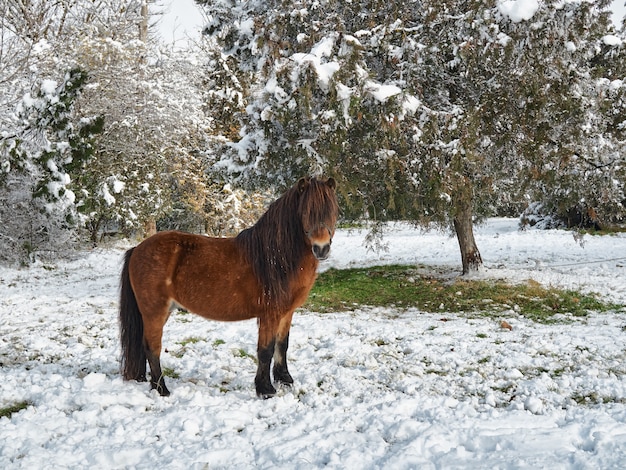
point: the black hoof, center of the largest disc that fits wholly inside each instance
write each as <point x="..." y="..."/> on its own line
<point x="283" y="377"/>
<point x="161" y="388"/>
<point x="265" y="391"/>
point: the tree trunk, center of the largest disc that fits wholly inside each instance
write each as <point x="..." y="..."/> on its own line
<point x="143" y="26"/>
<point x="94" y="228"/>
<point x="464" y="228"/>
<point x="149" y="228"/>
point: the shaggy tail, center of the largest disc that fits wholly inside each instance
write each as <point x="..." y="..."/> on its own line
<point x="131" y="329"/>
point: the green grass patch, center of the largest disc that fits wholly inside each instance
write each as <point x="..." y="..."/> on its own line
<point x="404" y="287"/>
<point x="8" y="411"/>
<point x="594" y="398"/>
<point x="171" y="373"/>
<point x="190" y="340"/>
<point x="243" y="353"/>
<point x="605" y="230"/>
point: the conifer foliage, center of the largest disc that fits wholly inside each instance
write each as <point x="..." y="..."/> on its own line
<point x="427" y="111"/>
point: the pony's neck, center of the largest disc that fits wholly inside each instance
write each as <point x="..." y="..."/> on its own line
<point x="276" y="248"/>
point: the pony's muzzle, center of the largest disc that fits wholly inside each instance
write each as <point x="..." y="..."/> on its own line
<point x="321" y="251"/>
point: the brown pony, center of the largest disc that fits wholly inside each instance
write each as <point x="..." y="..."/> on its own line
<point x="265" y="272"/>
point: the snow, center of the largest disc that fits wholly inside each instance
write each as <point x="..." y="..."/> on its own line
<point x="612" y="40"/>
<point x="317" y="60"/>
<point x="106" y="194"/>
<point x="246" y="27"/>
<point x="504" y="39"/>
<point x="41" y="47"/>
<point x="374" y="388"/>
<point x="118" y="186"/>
<point x="324" y="48"/>
<point x="381" y="92"/>
<point x="49" y="87"/>
<point x="324" y="70"/>
<point x="518" y="10"/>
<point x="411" y="104"/>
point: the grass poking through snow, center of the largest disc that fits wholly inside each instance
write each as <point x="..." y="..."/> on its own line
<point x="404" y="287"/>
<point x="8" y="411"/>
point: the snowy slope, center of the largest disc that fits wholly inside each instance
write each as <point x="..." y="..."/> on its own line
<point x="374" y="388"/>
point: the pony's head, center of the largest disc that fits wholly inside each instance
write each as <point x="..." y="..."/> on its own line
<point x="319" y="211"/>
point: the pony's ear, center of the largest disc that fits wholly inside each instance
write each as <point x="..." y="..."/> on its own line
<point x="303" y="183"/>
<point x="331" y="183"/>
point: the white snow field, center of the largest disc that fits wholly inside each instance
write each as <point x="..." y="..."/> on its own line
<point x="374" y="388"/>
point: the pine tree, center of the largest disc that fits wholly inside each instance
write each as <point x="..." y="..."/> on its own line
<point x="343" y="93"/>
<point x="571" y="146"/>
<point x="429" y="111"/>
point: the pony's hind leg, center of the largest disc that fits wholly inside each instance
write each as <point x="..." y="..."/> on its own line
<point x="280" y="371"/>
<point x="157" y="382"/>
<point x="153" y="333"/>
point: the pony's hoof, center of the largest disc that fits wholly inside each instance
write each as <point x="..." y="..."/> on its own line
<point x="161" y="388"/>
<point x="283" y="377"/>
<point x="266" y="392"/>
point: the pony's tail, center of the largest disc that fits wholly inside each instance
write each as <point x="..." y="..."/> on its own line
<point x="131" y="328"/>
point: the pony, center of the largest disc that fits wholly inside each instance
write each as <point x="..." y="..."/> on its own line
<point x="265" y="272"/>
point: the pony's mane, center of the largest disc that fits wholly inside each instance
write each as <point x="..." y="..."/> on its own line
<point x="276" y="245"/>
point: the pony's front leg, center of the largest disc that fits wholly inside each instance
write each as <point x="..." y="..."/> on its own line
<point x="280" y="371"/>
<point x="265" y="352"/>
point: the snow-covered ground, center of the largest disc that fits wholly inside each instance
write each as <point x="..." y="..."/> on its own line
<point x="374" y="388"/>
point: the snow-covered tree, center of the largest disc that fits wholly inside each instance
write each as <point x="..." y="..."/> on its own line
<point x="40" y="134"/>
<point x="300" y="93"/>
<point x="137" y="110"/>
<point x="428" y="111"/>
<point x="568" y="131"/>
<point x="339" y="88"/>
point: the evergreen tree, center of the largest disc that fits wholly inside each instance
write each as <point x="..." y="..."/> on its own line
<point x="305" y="100"/>
<point x="38" y="202"/>
<point x="427" y="111"/>
<point x="571" y="145"/>
<point x="340" y="92"/>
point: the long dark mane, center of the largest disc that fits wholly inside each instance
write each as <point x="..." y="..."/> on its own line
<point x="276" y="244"/>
